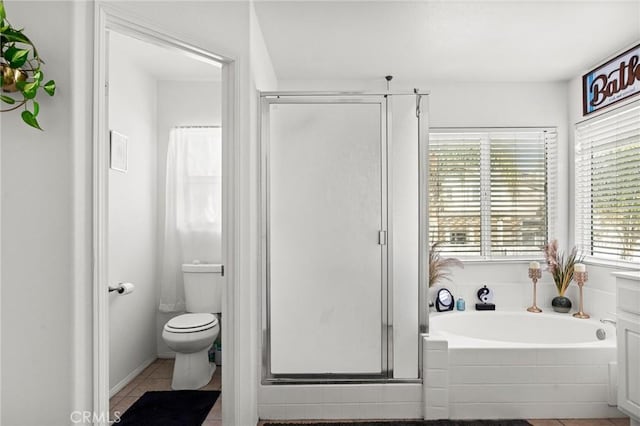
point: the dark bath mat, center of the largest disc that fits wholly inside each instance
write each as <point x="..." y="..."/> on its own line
<point x="170" y="408"/>
<point x="415" y="423"/>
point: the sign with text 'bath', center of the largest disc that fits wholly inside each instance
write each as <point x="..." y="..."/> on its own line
<point x="612" y="82"/>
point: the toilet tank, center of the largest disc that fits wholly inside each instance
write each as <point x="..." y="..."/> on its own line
<point x="203" y="287"/>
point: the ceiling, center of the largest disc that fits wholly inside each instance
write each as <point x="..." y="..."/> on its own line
<point x="160" y="62"/>
<point x="452" y="41"/>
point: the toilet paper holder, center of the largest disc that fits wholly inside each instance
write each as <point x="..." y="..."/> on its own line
<point x="121" y="288"/>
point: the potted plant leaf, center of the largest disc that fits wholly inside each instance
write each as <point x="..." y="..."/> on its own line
<point x="22" y="75"/>
<point x="560" y="266"/>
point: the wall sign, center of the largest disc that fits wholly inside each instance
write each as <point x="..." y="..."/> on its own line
<point x="612" y="82"/>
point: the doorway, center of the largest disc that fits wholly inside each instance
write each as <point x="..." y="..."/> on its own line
<point x="149" y="88"/>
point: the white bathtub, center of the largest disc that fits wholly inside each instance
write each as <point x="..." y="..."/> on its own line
<point x="509" y="329"/>
<point x="488" y="365"/>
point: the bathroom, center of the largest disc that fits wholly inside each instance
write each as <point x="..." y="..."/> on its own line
<point x="469" y="86"/>
<point x="164" y="213"/>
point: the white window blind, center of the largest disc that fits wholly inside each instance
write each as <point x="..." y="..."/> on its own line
<point x="489" y="192"/>
<point x="455" y="192"/>
<point x="607" y="175"/>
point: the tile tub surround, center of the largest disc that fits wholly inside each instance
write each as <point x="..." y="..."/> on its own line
<point x="599" y="301"/>
<point x="341" y="401"/>
<point x="156" y="377"/>
<point x="513" y="289"/>
<point x="488" y="379"/>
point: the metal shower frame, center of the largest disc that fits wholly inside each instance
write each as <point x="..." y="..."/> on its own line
<point x="266" y="98"/>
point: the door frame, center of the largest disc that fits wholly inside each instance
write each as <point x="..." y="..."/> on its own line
<point x="107" y="19"/>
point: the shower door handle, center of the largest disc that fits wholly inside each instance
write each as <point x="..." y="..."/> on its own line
<point x="382" y="238"/>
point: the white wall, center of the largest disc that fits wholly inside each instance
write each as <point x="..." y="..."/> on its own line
<point x="37" y="256"/>
<point x="133" y="238"/>
<point x="181" y="103"/>
<point x="263" y="78"/>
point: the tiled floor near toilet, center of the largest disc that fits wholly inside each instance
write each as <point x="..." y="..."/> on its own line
<point x="156" y="377"/>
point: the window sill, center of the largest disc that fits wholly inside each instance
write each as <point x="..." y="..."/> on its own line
<point x="502" y="260"/>
<point x="613" y="264"/>
<point x="627" y="275"/>
<point x="618" y="265"/>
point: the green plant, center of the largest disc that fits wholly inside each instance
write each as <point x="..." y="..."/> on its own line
<point x="439" y="266"/>
<point x="21" y="72"/>
<point x="561" y="267"/>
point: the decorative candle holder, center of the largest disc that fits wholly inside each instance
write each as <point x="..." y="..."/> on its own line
<point x="581" y="278"/>
<point x="535" y="275"/>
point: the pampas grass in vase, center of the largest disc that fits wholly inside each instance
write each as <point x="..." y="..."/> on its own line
<point x="560" y="266"/>
<point x="439" y="266"/>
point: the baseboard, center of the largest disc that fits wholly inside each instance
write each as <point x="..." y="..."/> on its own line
<point x="167" y="355"/>
<point x="124" y="382"/>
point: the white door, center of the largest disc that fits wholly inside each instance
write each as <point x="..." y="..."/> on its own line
<point x="326" y="265"/>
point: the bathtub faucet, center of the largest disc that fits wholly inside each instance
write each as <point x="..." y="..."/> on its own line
<point x="607" y="320"/>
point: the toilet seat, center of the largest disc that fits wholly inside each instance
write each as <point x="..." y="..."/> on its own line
<point x="191" y="323"/>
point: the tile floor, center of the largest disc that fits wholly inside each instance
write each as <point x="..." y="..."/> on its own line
<point x="157" y="376"/>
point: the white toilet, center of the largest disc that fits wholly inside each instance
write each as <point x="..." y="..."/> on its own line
<point x="191" y="335"/>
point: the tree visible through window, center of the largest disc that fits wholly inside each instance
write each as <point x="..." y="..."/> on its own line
<point x="488" y="191"/>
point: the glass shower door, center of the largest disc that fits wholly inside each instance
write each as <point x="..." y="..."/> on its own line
<point x="326" y="224"/>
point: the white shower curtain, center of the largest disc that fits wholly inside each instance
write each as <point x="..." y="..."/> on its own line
<point x="193" y="208"/>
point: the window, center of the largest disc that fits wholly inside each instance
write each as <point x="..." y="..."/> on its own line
<point x="488" y="191"/>
<point x="607" y="175"/>
<point x="194" y="178"/>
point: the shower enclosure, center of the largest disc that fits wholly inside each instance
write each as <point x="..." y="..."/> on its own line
<point x="344" y="236"/>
